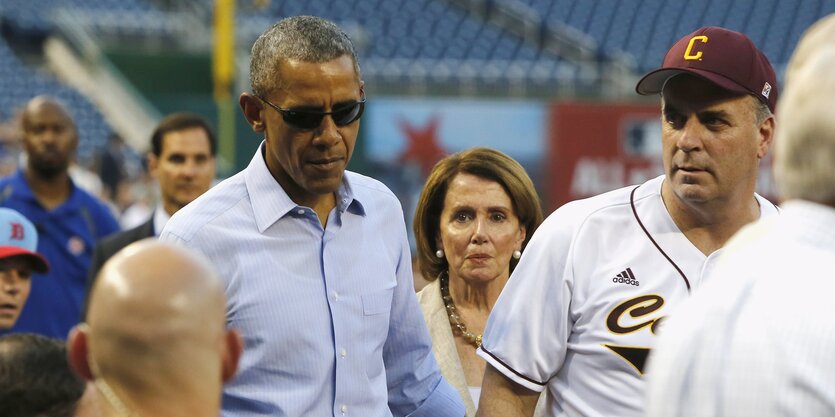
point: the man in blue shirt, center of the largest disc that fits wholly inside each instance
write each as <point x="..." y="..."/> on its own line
<point x="68" y="219"/>
<point x="315" y="259"/>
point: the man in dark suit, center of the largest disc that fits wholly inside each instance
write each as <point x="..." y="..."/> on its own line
<point x="182" y="160"/>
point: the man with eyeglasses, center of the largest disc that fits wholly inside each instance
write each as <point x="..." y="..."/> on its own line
<point x="315" y="258"/>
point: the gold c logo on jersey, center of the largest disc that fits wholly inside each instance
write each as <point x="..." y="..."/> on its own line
<point x="688" y="53"/>
<point x="636" y="308"/>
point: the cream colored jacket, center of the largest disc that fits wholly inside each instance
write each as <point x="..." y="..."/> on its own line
<point x="443" y="345"/>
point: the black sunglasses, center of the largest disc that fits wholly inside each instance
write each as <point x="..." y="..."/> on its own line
<point x="311" y="119"/>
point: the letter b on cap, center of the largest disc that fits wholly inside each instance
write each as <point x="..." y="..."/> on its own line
<point x="688" y="53"/>
<point x="17" y="232"/>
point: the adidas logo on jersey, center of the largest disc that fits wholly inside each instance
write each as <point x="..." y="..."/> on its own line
<point x="626" y="277"/>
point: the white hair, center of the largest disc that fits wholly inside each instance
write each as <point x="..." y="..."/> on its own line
<point x="805" y="139"/>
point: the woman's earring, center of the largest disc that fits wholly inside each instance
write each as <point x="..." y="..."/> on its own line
<point x="517" y="254"/>
<point x="439" y="253"/>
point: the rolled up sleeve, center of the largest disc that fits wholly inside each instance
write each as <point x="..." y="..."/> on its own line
<point x="415" y="385"/>
<point x="443" y="401"/>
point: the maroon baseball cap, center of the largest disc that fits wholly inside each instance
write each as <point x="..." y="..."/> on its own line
<point x="728" y="59"/>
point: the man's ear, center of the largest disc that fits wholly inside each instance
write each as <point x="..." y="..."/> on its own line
<point x="766" y="132"/>
<point x="153" y="163"/>
<point x="252" y="108"/>
<point x="77" y="351"/>
<point x="231" y="355"/>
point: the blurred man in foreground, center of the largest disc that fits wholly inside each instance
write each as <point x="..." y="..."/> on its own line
<point x="155" y="342"/>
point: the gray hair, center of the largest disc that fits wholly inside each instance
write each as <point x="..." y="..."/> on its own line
<point x="761" y="111"/>
<point x="805" y="139"/>
<point x="301" y="38"/>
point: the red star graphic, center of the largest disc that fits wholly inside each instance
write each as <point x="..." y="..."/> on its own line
<point x="423" y="146"/>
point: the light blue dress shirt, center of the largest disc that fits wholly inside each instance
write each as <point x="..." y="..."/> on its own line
<point x="330" y="321"/>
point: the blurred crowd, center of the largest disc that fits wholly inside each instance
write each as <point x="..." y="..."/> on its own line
<point x="116" y="174"/>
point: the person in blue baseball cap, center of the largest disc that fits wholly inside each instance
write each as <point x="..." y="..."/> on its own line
<point x="18" y="259"/>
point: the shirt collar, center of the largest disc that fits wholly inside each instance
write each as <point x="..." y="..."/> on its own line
<point x="346" y="200"/>
<point x="270" y="202"/>
<point x="811" y="221"/>
<point x="24" y="191"/>
<point x="160" y="218"/>
<point x="21" y="186"/>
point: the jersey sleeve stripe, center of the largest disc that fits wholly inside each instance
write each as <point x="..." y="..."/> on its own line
<point x="533" y="381"/>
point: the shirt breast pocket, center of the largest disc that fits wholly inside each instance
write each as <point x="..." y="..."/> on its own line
<point x="376" y="311"/>
<point x="377" y="302"/>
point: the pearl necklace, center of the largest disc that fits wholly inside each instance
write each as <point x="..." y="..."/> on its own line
<point x="454" y="318"/>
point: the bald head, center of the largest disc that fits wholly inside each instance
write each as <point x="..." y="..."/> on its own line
<point x="45" y="103"/>
<point x="148" y="281"/>
<point x="805" y="145"/>
<point x="156" y="325"/>
<point x="49" y="137"/>
<point x="818" y="37"/>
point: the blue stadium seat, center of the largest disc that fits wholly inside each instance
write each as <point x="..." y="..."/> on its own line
<point x="646" y="29"/>
<point x="34" y="17"/>
<point x="603" y="15"/>
<point x="581" y="15"/>
<point x="615" y="37"/>
<point x="759" y="21"/>
<point x="413" y="30"/>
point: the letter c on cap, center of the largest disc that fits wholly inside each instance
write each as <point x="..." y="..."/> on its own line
<point x="688" y="55"/>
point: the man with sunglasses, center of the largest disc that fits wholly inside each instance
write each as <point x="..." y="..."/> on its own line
<point x="315" y="258"/>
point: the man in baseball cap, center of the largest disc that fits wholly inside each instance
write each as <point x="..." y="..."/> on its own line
<point x="18" y="259"/>
<point x="567" y="322"/>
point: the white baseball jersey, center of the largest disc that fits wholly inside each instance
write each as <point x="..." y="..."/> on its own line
<point x="582" y="308"/>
